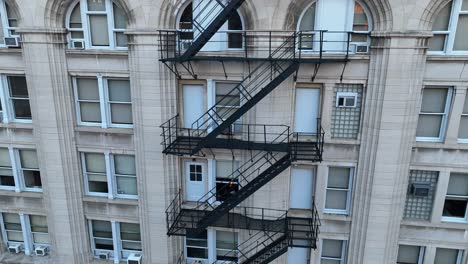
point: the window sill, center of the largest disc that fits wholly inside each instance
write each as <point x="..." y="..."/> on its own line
<point x="105" y="52"/>
<point x="343" y="141"/>
<point x="441" y="145"/>
<point x="112" y="130"/>
<point x="21" y="194"/>
<point x="17" y="125"/>
<point x="4" y="49"/>
<point x="451" y="57"/>
<point x="97" y="199"/>
<point x="334" y="216"/>
<point x="442" y="224"/>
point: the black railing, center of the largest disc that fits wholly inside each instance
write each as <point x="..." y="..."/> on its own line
<point x="261" y="45"/>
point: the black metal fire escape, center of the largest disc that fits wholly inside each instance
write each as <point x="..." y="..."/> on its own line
<point x="273" y="148"/>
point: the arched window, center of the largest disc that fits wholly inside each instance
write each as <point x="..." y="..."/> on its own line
<point x="334" y="17"/>
<point x="229" y="36"/>
<point x="449" y="28"/>
<point x="97" y="24"/>
<point x="8" y="22"/>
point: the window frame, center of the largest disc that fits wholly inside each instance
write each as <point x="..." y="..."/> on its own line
<point x="459" y="253"/>
<point x="349" y="191"/>
<point x="207" y="248"/>
<point x="445" y="115"/>
<point x="18" y="175"/>
<point x="35" y="232"/>
<point x="344" y="252"/>
<point x="8" y="114"/>
<point x="86" y="29"/>
<point x="422" y="252"/>
<point x="455" y="197"/>
<point x="463" y="115"/>
<point x="20" y="170"/>
<point x="104" y="102"/>
<point x="111" y="176"/>
<point x="451" y="32"/>
<point x="236" y="127"/>
<point x="5" y="19"/>
<point x="346" y="95"/>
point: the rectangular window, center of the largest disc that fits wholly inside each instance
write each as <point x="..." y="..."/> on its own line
<point x="110" y="175"/>
<point x="448" y="256"/>
<point x="346" y="99"/>
<point x="29" y="169"/>
<point x="433" y="115"/>
<point x="226" y="246"/>
<point x="227" y="182"/>
<point x="410" y="254"/>
<point x="130" y="238"/>
<point x="25" y="175"/>
<point x="12" y="227"/>
<point x="39" y="230"/>
<point x="463" y="130"/>
<point x="456" y="200"/>
<point x="102" y="236"/>
<point x="338" y="193"/>
<point x="103" y="102"/>
<point x="196" y="247"/>
<point x="228" y="100"/>
<point x="333" y="251"/>
<point x="14" y="99"/>
<point x="7" y="179"/>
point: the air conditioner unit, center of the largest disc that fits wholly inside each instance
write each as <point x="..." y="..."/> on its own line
<point x="14" y="248"/>
<point x="134" y="258"/>
<point x="41" y="250"/>
<point x="420" y="189"/>
<point x="103" y="255"/>
<point x="12" y="42"/>
<point x="361" y="49"/>
<point x="77" y="44"/>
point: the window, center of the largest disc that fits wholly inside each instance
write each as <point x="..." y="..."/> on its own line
<point x="226" y="246"/>
<point x="333" y="252"/>
<point x="338" y="193"/>
<point x="361" y="27"/>
<point x="97" y="25"/>
<point x="463" y="131"/>
<point x="229" y="36"/>
<point x="196" y="247"/>
<point x="29" y="231"/>
<point x="448" y="256"/>
<point x="8" y="22"/>
<point x="14" y="99"/>
<point x="226" y="179"/>
<point x="456" y="200"/>
<point x="410" y="254"/>
<point x="109" y="175"/>
<point x="346" y="99"/>
<point x="307" y="26"/>
<point x="103" y="102"/>
<point x="116" y="239"/>
<point x="25" y="175"/>
<point x="449" y="29"/>
<point x="228" y="101"/>
<point x="433" y="114"/>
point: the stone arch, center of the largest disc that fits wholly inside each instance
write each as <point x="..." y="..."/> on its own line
<point x="430" y="13"/>
<point x="56" y="11"/>
<point x="380" y="12"/>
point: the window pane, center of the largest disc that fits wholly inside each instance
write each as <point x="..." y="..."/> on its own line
<point x="38" y="223"/>
<point x="75" y="17"/>
<point x="461" y="38"/>
<point x="28" y="158"/>
<point x="32" y="179"/>
<point x="136" y="246"/>
<point x="225" y="169"/>
<point x="408" y="254"/>
<point x="106" y="244"/>
<point x="463" y="131"/>
<point x="464" y="5"/>
<point x="127" y="185"/>
<point x="130" y="231"/>
<point x="97" y="5"/>
<point x="308" y="20"/>
<point x="119" y="91"/>
<point x="330" y="261"/>
<point x="12" y="219"/>
<point x="41" y="238"/>
<point x="360" y="22"/>
<point x="441" y="22"/>
<point x="465" y="107"/>
<point x="121" y="39"/>
<point x="88" y="89"/>
<point x="121" y="114"/>
<point x="6" y="180"/>
<point x="226" y="240"/>
<point x="15" y="236"/>
<point x="2" y="40"/>
<point x="22" y="109"/>
<point x="437" y="42"/>
<point x="90" y="112"/>
<point x="12" y="16"/>
<point x="332" y="248"/>
<point x="336" y="199"/>
<point x="232" y="98"/>
<point x="5" y="158"/>
<point x="95" y="162"/>
<point x="124" y="164"/>
<point x="434" y="100"/>
<point x="98" y="187"/>
<point x="429" y="126"/>
<point x="18" y="87"/>
<point x="446" y="256"/>
<point x="458" y="184"/>
<point x="99" y="30"/>
<point x="455" y="208"/>
<point x="338" y="177"/>
<point x="120" y="19"/>
<point x="102" y="229"/>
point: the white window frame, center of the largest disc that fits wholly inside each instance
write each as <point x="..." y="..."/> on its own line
<point x="349" y="192"/>
<point x="459" y="256"/>
<point x="31" y="233"/>
<point x="104" y="102"/>
<point x="451" y="32"/>
<point x="115" y="254"/>
<point x="109" y="13"/>
<point x="445" y="115"/>
<point x="110" y="175"/>
<point x="346" y="96"/>
<point x="343" y="250"/>
<point x="207" y="249"/>
<point x="241" y="98"/>
<point x="8" y="113"/>
<point x="456" y="219"/>
<point x="7" y="29"/>
<point x="464" y="114"/>
<point x="18" y="176"/>
<point x="422" y="251"/>
<point x="28" y="245"/>
<point x="123" y="252"/>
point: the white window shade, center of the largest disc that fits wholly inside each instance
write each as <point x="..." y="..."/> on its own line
<point x="124" y="164"/>
<point x="226" y="240"/>
<point x="28" y="159"/>
<point x="88" y="89"/>
<point x="75" y="18"/>
<point x="226" y="169"/>
<point x="446" y="256"/>
<point x="102" y="229"/>
<point x="119" y="90"/>
<point x="95" y="162"/>
<point x="434" y="100"/>
<point x="338" y="177"/>
<point x="458" y="185"/>
<point x="96" y="5"/>
<point x="120" y="19"/>
<point x="442" y="20"/>
<point x="429" y="126"/>
<point x="408" y="254"/>
<point x="332" y="248"/>
<point x="99" y="30"/>
<point x="5" y="158"/>
<point x="308" y="19"/>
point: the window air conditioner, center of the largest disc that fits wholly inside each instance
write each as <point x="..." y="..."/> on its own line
<point x="103" y="255"/>
<point x="41" y="250"/>
<point x="134" y="258"/>
<point x="361" y="49"/>
<point x="12" y="42"/>
<point x="420" y="189"/>
<point x="14" y="248"/>
<point x="77" y="44"/>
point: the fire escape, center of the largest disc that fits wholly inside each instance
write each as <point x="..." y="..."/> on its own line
<point x="276" y="56"/>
